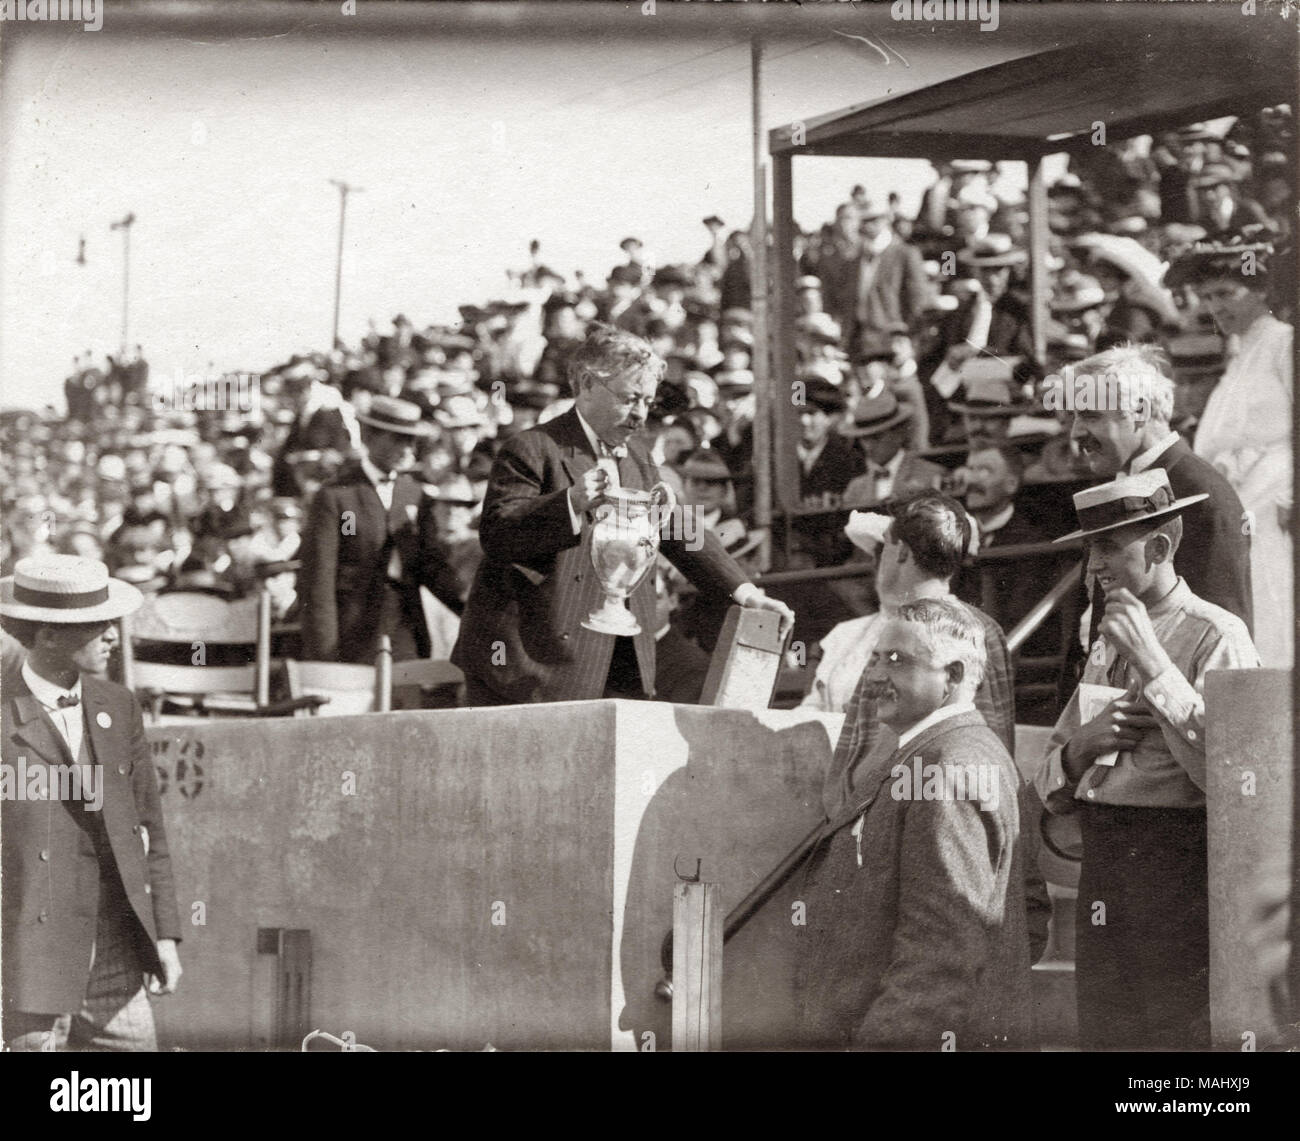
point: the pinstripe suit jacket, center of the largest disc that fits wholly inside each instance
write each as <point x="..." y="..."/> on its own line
<point x="521" y="635"/>
<point x="916" y="926"/>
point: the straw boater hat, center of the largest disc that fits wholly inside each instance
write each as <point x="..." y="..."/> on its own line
<point x="65" y="589"/>
<point x="393" y="415"/>
<point x="1126" y="500"/>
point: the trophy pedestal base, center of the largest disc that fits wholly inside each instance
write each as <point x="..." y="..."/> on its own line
<point x="612" y="618"/>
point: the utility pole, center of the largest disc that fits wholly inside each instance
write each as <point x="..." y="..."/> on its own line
<point x="344" y="191"/>
<point x="125" y="226"/>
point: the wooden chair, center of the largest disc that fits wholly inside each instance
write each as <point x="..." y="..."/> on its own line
<point x="340" y="688"/>
<point x="189" y="623"/>
<point x="427" y="673"/>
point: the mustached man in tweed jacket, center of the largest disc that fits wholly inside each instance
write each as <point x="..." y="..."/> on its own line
<point x="521" y="637"/>
<point x="916" y="928"/>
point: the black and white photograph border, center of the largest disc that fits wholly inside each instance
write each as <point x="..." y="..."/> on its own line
<point x="629" y="527"/>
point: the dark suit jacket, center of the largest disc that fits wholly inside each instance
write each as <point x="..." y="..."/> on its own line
<point x="1014" y="587"/>
<point x="50" y="866"/>
<point x="325" y="429"/>
<point x="521" y="635"/>
<point x="900" y="290"/>
<point x="1214" y="556"/>
<point x="345" y="552"/>
<point x="926" y="933"/>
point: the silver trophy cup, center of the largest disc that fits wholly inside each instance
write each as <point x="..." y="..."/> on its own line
<point x="624" y="545"/>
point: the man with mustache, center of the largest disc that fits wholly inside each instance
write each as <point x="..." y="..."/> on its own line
<point x="1134" y="773"/>
<point x="916" y="924"/>
<point x="521" y="637"/>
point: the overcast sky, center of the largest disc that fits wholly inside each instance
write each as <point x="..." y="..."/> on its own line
<point x="466" y="148"/>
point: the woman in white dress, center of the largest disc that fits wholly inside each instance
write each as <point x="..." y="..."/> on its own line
<point x="1245" y="431"/>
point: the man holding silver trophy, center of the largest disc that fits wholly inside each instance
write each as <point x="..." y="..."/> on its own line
<point x="546" y="622"/>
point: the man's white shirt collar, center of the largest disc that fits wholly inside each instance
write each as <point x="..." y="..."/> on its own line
<point x="590" y="433"/>
<point x="998" y="521"/>
<point x="940" y="714"/>
<point x="1148" y="458"/>
<point x="46" y="692"/>
<point x="374" y="474"/>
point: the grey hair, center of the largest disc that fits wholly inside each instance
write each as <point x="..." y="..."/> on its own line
<point x="951" y="633"/>
<point x="1138" y="375"/>
<point x="608" y="352"/>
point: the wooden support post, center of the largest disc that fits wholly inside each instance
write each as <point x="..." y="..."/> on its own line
<point x="263" y="669"/>
<point x="1039" y="285"/>
<point x="759" y="277"/>
<point x="697" y="967"/>
<point x="785" y="420"/>
<point x="384" y="675"/>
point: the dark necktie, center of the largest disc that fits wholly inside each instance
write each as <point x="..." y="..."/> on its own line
<point x="68" y="700"/>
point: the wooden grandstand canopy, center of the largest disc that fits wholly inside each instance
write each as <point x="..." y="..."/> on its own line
<point x="1048" y="101"/>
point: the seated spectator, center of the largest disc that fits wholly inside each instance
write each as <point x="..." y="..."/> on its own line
<point x="1220" y="207"/>
<point x="882" y="430"/>
<point x="707" y="483"/>
<point x="827" y="463"/>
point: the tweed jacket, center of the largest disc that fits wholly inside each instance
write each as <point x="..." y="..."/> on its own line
<point x="862" y="734"/>
<point x="521" y="635"/>
<point x="50" y="867"/>
<point x="916" y="922"/>
<point x="346" y="550"/>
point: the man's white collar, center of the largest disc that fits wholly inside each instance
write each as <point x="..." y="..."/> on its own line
<point x="940" y="714"/>
<point x="46" y="692"/>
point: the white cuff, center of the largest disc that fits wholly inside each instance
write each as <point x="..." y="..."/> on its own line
<point x="574" y="518"/>
<point x="746" y="594"/>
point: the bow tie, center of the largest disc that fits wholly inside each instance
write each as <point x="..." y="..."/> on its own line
<point x="68" y="700"/>
<point x="618" y="451"/>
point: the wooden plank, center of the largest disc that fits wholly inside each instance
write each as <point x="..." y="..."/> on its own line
<point x="697" y="967"/>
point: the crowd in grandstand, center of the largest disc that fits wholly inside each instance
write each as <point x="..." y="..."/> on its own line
<point x="916" y="369"/>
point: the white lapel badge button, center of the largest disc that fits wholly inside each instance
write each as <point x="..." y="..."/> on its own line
<point x="103" y="720"/>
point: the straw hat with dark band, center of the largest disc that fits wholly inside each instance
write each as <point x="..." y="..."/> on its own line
<point x="1141" y="498"/>
<point x="393" y="415"/>
<point x="65" y="589"/>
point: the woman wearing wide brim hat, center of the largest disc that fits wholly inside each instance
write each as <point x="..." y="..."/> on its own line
<point x="1245" y="428"/>
<point x="1130" y="274"/>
